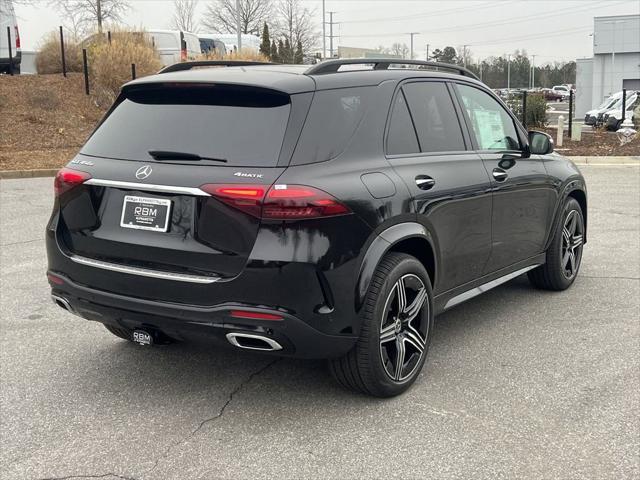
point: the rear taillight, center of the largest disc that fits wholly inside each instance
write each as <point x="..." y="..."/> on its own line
<point x="255" y="315"/>
<point x="67" y="179"/>
<point x="183" y="55"/>
<point x="17" y="36"/>
<point x="280" y="202"/>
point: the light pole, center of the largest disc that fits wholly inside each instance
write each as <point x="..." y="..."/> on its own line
<point x="464" y="55"/>
<point x="533" y="72"/>
<point x="508" y="73"/>
<point x="238" y="24"/>
<point x="412" y="34"/>
<point x="324" y="31"/>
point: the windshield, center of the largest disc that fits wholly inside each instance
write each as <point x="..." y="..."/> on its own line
<point x="243" y="125"/>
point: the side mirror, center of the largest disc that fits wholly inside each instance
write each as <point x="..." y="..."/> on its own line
<point x="540" y="143"/>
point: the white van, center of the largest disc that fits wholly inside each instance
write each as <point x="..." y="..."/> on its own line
<point x="249" y="42"/>
<point x="8" y="19"/>
<point x="167" y="43"/>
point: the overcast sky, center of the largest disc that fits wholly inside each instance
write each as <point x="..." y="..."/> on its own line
<point x="550" y="29"/>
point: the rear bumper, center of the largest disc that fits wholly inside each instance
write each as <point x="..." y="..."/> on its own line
<point x="15" y="60"/>
<point x="197" y="323"/>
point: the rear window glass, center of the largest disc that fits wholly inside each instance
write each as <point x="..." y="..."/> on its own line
<point x="245" y="126"/>
<point x="332" y="120"/>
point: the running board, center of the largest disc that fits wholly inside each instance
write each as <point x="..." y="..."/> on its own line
<point x="474" y="292"/>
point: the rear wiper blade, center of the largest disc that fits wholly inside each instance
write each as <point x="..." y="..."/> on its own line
<point x="168" y="155"/>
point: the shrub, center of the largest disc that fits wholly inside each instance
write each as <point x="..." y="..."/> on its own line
<point x="49" y="57"/>
<point x="110" y="63"/>
<point x="536" y="111"/>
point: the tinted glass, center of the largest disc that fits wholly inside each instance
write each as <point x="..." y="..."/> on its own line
<point x="402" y="136"/>
<point x="333" y="118"/>
<point x="246" y="126"/>
<point x="492" y="125"/>
<point x="434" y="117"/>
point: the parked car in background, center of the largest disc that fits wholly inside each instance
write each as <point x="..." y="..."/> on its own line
<point x="167" y="43"/>
<point x="613" y="118"/>
<point x="212" y="45"/>
<point x="8" y="19"/>
<point x="249" y="42"/>
<point x="552" y="95"/>
<point x="563" y="90"/>
<point x="592" y="116"/>
<point x="348" y="210"/>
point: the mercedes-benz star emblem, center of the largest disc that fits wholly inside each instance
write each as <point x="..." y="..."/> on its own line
<point x="143" y="172"/>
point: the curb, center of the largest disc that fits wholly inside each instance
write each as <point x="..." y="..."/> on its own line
<point x="42" y="172"/>
<point x="612" y="160"/>
<point x="51" y="172"/>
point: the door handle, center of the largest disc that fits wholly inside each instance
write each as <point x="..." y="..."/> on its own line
<point x="425" y="182"/>
<point x="499" y="174"/>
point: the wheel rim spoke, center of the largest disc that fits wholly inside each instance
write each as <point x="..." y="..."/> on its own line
<point x="572" y="261"/>
<point x="576" y="241"/>
<point x="401" y="294"/>
<point x="388" y="333"/>
<point x="400" y="353"/>
<point x="412" y="310"/>
<point x="415" y="340"/>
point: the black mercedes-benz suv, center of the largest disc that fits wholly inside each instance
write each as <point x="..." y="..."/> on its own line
<point x="320" y="212"/>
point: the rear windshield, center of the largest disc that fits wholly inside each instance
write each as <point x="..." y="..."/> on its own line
<point x="242" y="125"/>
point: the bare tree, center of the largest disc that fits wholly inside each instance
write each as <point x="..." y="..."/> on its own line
<point x="220" y="15"/>
<point x="400" y="49"/>
<point x="94" y="13"/>
<point x="184" y="15"/>
<point x="296" y="24"/>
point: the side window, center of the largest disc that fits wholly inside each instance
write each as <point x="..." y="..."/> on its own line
<point x="492" y="125"/>
<point x="434" y="116"/>
<point x="402" y="136"/>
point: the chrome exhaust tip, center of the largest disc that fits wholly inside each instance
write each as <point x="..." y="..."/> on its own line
<point x="249" y="341"/>
<point x="62" y="303"/>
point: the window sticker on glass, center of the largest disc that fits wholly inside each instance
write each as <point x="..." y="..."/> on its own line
<point x="490" y="129"/>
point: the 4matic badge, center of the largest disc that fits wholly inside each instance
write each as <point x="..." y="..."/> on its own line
<point x="248" y="175"/>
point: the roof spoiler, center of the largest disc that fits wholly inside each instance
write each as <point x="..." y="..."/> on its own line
<point x="333" y="66"/>
<point x="182" y="66"/>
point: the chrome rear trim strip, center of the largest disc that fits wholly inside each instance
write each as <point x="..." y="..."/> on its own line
<point x="143" y="272"/>
<point x="147" y="187"/>
<point x="474" y="292"/>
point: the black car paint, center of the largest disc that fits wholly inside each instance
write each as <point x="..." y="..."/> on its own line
<point x="314" y="272"/>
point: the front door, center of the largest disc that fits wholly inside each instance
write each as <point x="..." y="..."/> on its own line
<point x="523" y="195"/>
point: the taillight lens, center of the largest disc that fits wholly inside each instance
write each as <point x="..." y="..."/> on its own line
<point x="183" y="55"/>
<point x="17" y="36"/>
<point x="67" y="179"/>
<point x="280" y="202"/>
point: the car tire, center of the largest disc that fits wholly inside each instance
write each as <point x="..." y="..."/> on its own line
<point x="120" y="332"/>
<point x="564" y="255"/>
<point x="395" y="330"/>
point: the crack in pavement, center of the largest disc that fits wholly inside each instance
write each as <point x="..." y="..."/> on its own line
<point x="221" y="411"/>
<point x="164" y="455"/>
<point x="24" y="241"/>
<point x="104" y="475"/>
<point x="610" y="278"/>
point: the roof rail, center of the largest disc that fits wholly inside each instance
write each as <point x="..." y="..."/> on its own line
<point x="333" y="66"/>
<point x="178" y="67"/>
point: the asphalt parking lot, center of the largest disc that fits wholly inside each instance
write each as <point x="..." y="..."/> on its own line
<point x="519" y="383"/>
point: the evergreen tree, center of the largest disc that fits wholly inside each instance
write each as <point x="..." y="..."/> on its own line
<point x="274" y="52"/>
<point x="265" y="44"/>
<point x="288" y="56"/>
<point x="299" y="55"/>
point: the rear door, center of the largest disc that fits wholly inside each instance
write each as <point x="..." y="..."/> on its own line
<point x="147" y="204"/>
<point x="523" y="195"/>
<point x="168" y="46"/>
<point x="430" y="150"/>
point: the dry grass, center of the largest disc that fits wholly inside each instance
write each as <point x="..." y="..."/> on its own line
<point x="110" y="63"/>
<point x="49" y="57"/>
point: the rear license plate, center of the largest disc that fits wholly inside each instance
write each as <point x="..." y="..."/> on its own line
<point x="144" y="213"/>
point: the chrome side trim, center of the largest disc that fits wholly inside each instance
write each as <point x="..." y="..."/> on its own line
<point x="233" y="340"/>
<point x="474" y="292"/>
<point x="143" y="272"/>
<point x="147" y="187"/>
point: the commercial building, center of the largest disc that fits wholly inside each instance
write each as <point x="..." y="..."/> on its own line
<point x="615" y="63"/>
